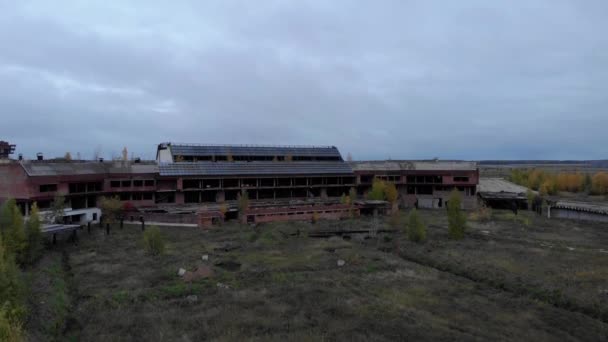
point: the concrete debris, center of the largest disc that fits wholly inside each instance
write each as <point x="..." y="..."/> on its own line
<point x="570" y="248"/>
<point x="192" y="298"/>
<point x="205" y="257"/>
<point x="603" y="251"/>
<point x="181" y="272"/>
<point x="341" y="263"/>
<point x="223" y="286"/>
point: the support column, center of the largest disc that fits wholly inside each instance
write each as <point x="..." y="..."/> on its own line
<point x="324" y="193"/>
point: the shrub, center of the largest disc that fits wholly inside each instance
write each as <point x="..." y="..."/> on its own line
<point x="58" y="208"/>
<point x="315" y="217"/>
<point x="416" y="229"/>
<point x="599" y="183"/>
<point x="6" y="214"/>
<point x="111" y="209"/>
<point x="12" y="288"/>
<point x="13" y="231"/>
<point x="243" y="202"/>
<point x="482" y="214"/>
<point x="10" y="331"/>
<point x="33" y="236"/>
<point x="154" y="241"/>
<point x="456" y="218"/>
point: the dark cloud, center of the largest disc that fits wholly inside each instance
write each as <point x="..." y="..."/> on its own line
<point x="398" y="79"/>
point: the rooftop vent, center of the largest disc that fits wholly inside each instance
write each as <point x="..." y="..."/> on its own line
<point x="20" y="156"/>
<point x="39" y="156"/>
<point x="101" y="160"/>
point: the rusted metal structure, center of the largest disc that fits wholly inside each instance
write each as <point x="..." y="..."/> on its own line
<point x="6" y="149"/>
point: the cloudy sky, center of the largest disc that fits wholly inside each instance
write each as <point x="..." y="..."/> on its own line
<point x="380" y="79"/>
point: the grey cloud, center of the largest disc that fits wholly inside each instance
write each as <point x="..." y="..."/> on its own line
<point x="398" y="79"/>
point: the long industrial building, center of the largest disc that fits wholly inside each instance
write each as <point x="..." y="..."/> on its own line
<point x="198" y="175"/>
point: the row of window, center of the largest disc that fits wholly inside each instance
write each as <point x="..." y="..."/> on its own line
<point x="129" y="183"/>
<point x="411" y="179"/>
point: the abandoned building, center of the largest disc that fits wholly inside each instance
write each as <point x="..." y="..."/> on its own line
<point x="425" y="184"/>
<point x="499" y="193"/>
<point x="288" y="179"/>
<point x="203" y="173"/>
<point x="584" y="211"/>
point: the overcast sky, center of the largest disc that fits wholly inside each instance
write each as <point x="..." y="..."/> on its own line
<point x="380" y="79"/>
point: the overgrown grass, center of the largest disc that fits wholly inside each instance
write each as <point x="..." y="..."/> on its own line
<point x="59" y="299"/>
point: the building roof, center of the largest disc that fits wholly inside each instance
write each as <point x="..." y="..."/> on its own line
<point x="598" y="208"/>
<point x="401" y="165"/>
<point x="253" y="150"/>
<point x="52" y="168"/>
<point x="499" y="188"/>
<point x="254" y="168"/>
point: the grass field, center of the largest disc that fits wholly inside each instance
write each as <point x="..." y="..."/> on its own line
<point x="511" y="278"/>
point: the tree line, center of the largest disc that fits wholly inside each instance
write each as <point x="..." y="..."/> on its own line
<point x="548" y="183"/>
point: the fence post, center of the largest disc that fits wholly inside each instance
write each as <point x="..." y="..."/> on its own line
<point x="107" y="229"/>
<point x="89" y="227"/>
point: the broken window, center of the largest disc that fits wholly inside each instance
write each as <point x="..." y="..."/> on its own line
<point x="115" y="184"/>
<point x="149" y="182"/>
<point x="461" y="179"/>
<point x="231" y="183"/>
<point x="125" y="183"/>
<point x="48" y="187"/>
<point x="138" y="183"/>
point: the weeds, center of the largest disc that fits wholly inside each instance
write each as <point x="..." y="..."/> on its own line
<point x="154" y="242"/>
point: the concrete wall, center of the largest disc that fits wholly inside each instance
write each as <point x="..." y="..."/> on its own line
<point x="577" y="215"/>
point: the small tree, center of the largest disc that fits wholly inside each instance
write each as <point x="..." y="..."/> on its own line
<point x="377" y="191"/>
<point x="456" y="218"/>
<point x="416" y="229"/>
<point x="288" y="158"/>
<point x="58" y="209"/>
<point x="345" y="199"/>
<point x="154" y="241"/>
<point x="531" y="196"/>
<point x="33" y="236"/>
<point x="391" y="195"/>
<point x="243" y="202"/>
<point x="111" y="209"/>
<point x="587" y="183"/>
<point x="349" y="157"/>
<point x="6" y="214"/>
<point x="14" y="236"/>
<point x="352" y="193"/>
<point x="223" y="210"/>
<point x="12" y="288"/>
<point x="67" y="156"/>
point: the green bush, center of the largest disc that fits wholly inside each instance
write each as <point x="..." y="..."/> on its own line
<point x="33" y="235"/>
<point x="416" y="229"/>
<point x="457" y="220"/>
<point x="154" y="241"/>
<point x="10" y="331"/>
<point x="12" y="287"/>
